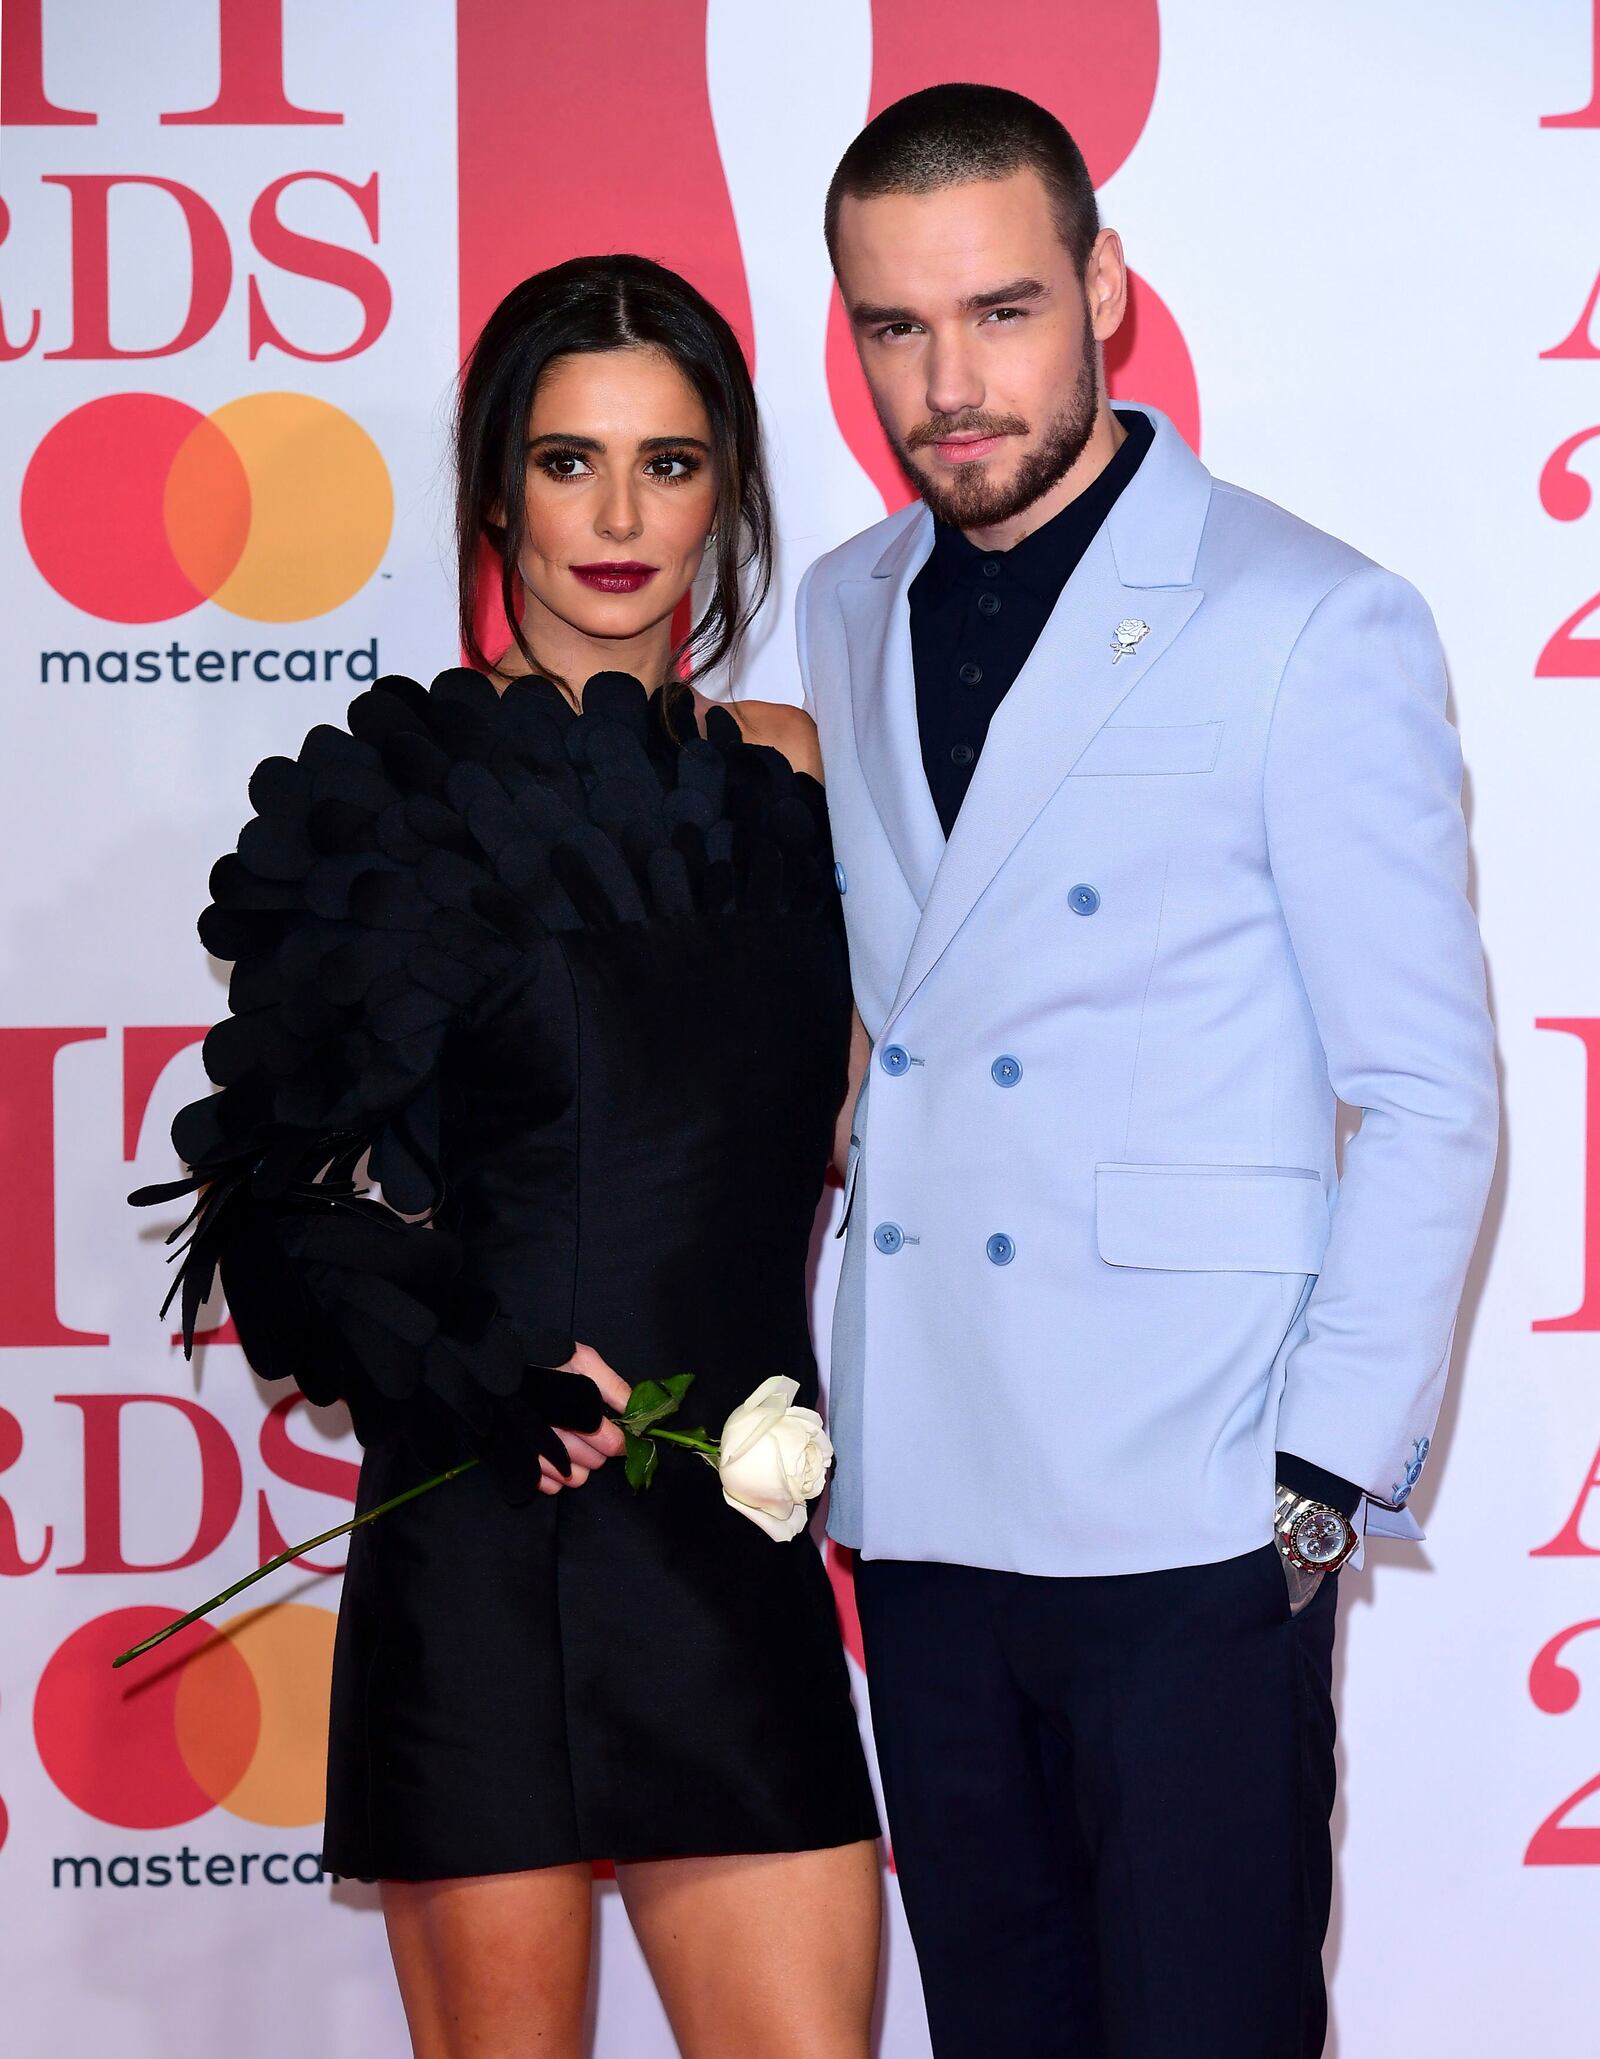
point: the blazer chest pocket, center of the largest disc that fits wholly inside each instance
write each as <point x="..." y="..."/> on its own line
<point x="1211" y="1218"/>
<point x="1127" y="748"/>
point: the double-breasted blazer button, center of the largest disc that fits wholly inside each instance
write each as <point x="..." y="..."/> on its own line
<point x="1083" y="900"/>
<point x="896" y="1059"/>
<point x="1005" y="1072"/>
<point x="1000" y="1248"/>
<point x="888" y="1237"/>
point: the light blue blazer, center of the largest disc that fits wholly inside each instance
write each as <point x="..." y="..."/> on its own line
<point x="1100" y="1265"/>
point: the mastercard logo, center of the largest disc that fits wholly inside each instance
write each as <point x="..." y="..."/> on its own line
<point x="136" y="508"/>
<point x="233" y="1718"/>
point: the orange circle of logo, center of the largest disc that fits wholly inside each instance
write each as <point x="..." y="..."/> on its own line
<point x="136" y="507"/>
<point x="233" y="1718"/>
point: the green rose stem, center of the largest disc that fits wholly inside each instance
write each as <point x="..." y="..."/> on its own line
<point x="649" y="1402"/>
<point x="708" y="1450"/>
<point x="284" y="1557"/>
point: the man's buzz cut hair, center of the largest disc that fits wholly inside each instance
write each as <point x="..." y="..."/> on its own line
<point x="954" y="135"/>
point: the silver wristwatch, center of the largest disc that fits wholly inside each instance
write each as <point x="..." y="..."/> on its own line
<point x="1311" y="1536"/>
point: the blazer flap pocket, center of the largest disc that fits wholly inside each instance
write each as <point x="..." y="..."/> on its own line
<point x="1124" y="747"/>
<point x="1211" y="1218"/>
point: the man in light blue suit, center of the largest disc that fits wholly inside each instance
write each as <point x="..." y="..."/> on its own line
<point x="1147" y="816"/>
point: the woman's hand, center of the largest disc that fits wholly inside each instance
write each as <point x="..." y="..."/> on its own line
<point x="589" y="1452"/>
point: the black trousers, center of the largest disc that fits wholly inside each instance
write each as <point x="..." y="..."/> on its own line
<point x="1109" y="1801"/>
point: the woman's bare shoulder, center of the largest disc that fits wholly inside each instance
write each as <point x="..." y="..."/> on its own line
<point x="783" y="728"/>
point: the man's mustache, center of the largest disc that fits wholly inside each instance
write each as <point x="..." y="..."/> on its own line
<point x="973" y="423"/>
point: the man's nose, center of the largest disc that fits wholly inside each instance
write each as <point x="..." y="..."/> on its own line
<point x="955" y="384"/>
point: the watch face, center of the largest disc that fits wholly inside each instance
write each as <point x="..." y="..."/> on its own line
<point x="1320" y="1535"/>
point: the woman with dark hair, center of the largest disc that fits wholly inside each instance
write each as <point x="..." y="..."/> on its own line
<point x="554" y="947"/>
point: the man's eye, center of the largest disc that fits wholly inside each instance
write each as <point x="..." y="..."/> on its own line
<point x="1004" y="314"/>
<point x="897" y="329"/>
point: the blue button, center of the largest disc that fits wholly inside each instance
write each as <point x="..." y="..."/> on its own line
<point x="840" y="880"/>
<point x="988" y="604"/>
<point x="896" y="1059"/>
<point x="888" y="1237"/>
<point x="970" y="674"/>
<point x="1083" y="900"/>
<point x="1000" y="1248"/>
<point x="991" y="569"/>
<point x="1005" y="1072"/>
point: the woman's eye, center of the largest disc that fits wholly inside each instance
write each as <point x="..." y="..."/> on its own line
<point x="672" y="466"/>
<point x="562" y="464"/>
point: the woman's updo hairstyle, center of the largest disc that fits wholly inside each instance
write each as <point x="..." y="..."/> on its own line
<point x="607" y="303"/>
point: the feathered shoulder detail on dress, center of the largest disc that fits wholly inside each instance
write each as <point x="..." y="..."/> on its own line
<point x="393" y="875"/>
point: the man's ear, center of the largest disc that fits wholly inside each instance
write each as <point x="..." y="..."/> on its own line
<point x="1105" y="282"/>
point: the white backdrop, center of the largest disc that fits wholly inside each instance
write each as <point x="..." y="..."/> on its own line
<point x="1370" y="238"/>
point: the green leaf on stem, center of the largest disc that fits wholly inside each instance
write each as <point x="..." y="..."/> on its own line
<point x="652" y="1401"/>
<point x="642" y="1458"/>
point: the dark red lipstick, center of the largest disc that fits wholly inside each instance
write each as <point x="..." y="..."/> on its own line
<point x="623" y="576"/>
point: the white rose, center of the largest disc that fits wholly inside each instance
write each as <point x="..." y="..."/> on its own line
<point x="774" y="1458"/>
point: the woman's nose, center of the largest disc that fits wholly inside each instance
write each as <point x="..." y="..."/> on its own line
<point x="619" y="513"/>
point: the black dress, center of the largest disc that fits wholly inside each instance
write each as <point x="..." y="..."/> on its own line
<point x="579" y="987"/>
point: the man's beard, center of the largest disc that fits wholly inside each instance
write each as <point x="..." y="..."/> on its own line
<point x="964" y="498"/>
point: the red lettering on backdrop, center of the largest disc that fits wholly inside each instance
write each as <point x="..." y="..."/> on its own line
<point x="250" y="90"/>
<point x="641" y="172"/>
<point x="28" y="1196"/>
<point x="1586" y="117"/>
<point x="1565" y="495"/>
<point x="221" y="1482"/>
<point x="1555" y="1689"/>
<point x="8" y="349"/>
<point x="147" y="1051"/>
<point x="1579" y="343"/>
<point x="842" y="1573"/>
<point x="308" y="257"/>
<point x="1094" y="66"/>
<point x="1567" y="1543"/>
<point x="1587" y="1314"/>
<point x="321" y="1471"/>
<point x="210" y="265"/>
<point x="23" y="100"/>
<point x="12" y="1561"/>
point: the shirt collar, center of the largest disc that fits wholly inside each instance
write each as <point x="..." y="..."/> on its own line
<point x="1044" y="560"/>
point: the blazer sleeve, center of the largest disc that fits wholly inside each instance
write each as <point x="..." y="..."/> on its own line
<point x="366" y="911"/>
<point x="1368" y="849"/>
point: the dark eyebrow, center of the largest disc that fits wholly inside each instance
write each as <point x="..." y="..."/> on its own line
<point x="1005" y="296"/>
<point x="868" y="314"/>
<point x="593" y="442"/>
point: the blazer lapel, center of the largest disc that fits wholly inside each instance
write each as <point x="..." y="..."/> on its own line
<point x="1137" y="569"/>
<point x="883" y="703"/>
